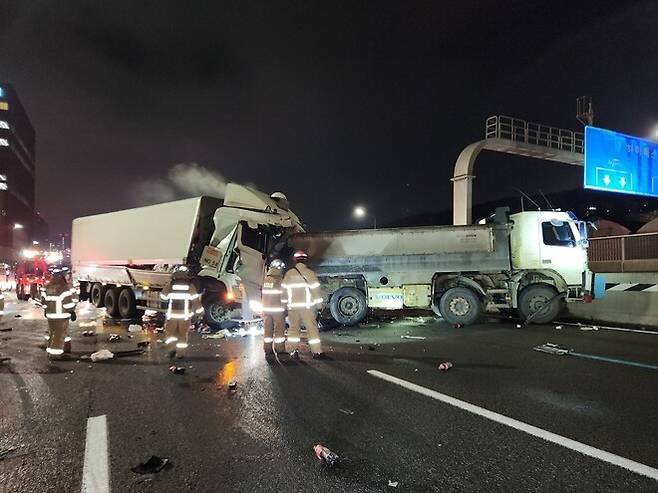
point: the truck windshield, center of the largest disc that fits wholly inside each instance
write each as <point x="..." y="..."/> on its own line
<point x="557" y="233"/>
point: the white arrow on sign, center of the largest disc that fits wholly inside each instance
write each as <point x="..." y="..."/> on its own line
<point x="606" y="180"/>
<point x="622" y="182"/>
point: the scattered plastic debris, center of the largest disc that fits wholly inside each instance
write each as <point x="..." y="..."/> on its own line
<point x="18" y="316"/>
<point x="445" y="366"/>
<point x="518" y="326"/>
<point x="177" y="370"/>
<point x="221" y="334"/>
<point x="233" y="385"/>
<point x="325" y="455"/>
<point x="588" y="327"/>
<point x="88" y="333"/>
<point x="8" y="329"/>
<point x="550" y="348"/>
<point x="154" y="465"/>
<point x="349" y="412"/>
<point x="114" y="338"/>
<point x="393" y="484"/>
<point x="416" y="338"/>
<point x="102" y="355"/>
<point x="134" y="328"/>
<point x="558" y="327"/>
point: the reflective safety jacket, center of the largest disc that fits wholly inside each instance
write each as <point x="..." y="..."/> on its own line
<point x="301" y="288"/>
<point x="58" y="297"/>
<point x="272" y="295"/>
<point x="184" y="301"/>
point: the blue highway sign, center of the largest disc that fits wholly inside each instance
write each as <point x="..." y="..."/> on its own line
<point x="620" y="163"/>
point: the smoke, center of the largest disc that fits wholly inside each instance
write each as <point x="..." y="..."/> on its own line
<point x="183" y="180"/>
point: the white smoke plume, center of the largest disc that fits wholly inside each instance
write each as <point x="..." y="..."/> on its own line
<point x="182" y="181"/>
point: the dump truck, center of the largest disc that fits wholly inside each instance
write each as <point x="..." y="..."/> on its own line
<point x="528" y="263"/>
<point x="122" y="260"/>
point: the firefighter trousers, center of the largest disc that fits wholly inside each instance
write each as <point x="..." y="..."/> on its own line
<point x="305" y="317"/>
<point x="176" y="333"/>
<point x="274" y="327"/>
<point x="57" y="329"/>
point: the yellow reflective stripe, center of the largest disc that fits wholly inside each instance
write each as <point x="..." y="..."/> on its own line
<point x="55" y="352"/>
<point x="279" y="340"/>
<point x="57" y="316"/>
<point x="314" y="341"/>
<point x="272" y="291"/>
<point x="181" y="345"/>
<point x="273" y="309"/>
<point x="169" y="340"/>
<point x="180" y="287"/>
<point x="267" y="339"/>
<point x="294" y="339"/>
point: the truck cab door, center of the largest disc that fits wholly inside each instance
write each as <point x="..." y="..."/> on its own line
<point x="562" y="249"/>
<point x="251" y="249"/>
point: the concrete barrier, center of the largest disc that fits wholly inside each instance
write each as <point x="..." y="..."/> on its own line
<point x="631" y="299"/>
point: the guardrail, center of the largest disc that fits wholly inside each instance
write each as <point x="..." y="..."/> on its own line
<point x="514" y="129"/>
<point x="629" y="253"/>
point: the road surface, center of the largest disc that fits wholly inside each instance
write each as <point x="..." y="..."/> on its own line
<point x="504" y="418"/>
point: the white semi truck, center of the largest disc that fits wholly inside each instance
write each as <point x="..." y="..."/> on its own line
<point x="122" y="260"/>
<point x="529" y="263"/>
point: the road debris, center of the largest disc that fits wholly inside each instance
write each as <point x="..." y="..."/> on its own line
<point x="445" y="366"/>
<point x="588" y="327"/>
<point x="8" y="329"/>
<point x="393" y="484"/>
<point x="232" y="385"/>
<point x="102" y="355"/>
<point x="134" y="328"/>
<point x="550" y="348"/>
<point x="220" y="334"/>
<point x="415" y="338"/>
<point x="6" y="451"/>
<point x="88" y="333"/>
<point x="325" y="455"/>
<point x="349" y="412"/>
<point x="18" y="316"/>
<point x="558" y="327"/>
<point x="177" y="370"/>
<point x="114" y="338"/>
<point x="143" y="344"/>
<point x="154" y="465"/>
<point x="519" y="326"/>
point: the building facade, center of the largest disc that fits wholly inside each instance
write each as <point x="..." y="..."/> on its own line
<point x="18" y="221"/>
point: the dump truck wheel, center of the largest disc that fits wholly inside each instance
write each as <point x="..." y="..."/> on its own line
<point x="214" y="310"/>
<point x="460" y="305"/>
<point x="127" y="303"/>
<point x="97" y="296"/>
<point x="112" y="302"/>
<point x="348" y="306"/>
<point x="536" y="297"/>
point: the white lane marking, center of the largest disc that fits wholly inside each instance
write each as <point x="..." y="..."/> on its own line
<point x="95" y="474"/>
<point x="525" y="427"/>
<point x="620" y="329"/>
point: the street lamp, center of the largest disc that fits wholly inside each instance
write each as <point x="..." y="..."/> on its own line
<point x="360" y="212"/>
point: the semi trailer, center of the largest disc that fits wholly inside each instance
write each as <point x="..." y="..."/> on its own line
<point x="122" y="260"/>
<point x="529" y="263"/>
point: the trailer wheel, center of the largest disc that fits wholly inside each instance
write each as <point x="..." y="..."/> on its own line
<point x="537" y="298"/>
<point x="460" y="305"/>
<point x="127" y="303"/>
<point x="112" y="302"/>
<point x="98" y="295"/>
<point x="348" y="306"/>
<point x="214" y="310"/>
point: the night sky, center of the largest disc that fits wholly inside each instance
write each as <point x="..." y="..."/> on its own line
<point x="335" y="103"/>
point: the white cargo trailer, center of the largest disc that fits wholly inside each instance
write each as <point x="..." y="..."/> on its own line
<point x="122" y="260"/>
<point x="531" y="262"/>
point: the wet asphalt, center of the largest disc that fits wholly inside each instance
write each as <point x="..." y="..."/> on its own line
<point x="259" y="437"/>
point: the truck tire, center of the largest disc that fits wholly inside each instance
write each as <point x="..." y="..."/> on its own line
<point x="214" y="310"/>
<point x="460" y="305"/>
<point x="97" y="296"/>
<point x="348" y="306"/>
<point x="127" y="303"/>
<point x="535" y="297"/>
<point x="112" y="302"/>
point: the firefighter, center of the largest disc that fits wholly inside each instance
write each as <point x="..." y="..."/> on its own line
<point x="274" y="324"/>
<point x="302" y="295"/>
<point x="184" y="303"/>
<point x="58" y="296"/>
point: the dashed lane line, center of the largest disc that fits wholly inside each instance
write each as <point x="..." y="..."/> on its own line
<point x="584" y="449"/>
<point x="96" y="472"/>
